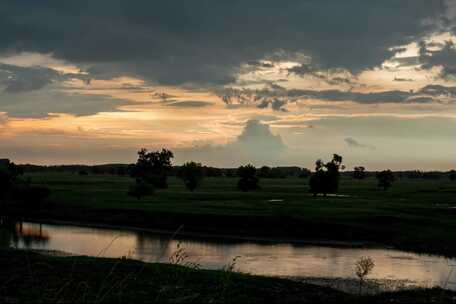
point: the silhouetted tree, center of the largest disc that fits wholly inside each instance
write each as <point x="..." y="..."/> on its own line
<point x="9" y="173"/>
<point x="326" y="177"/>
<point x="192" y="174"/>
<point x="385" y="179"/>
<point x="359" y="173"/>
<point x="248" y="180"/>
<point x="452" y="175"/>
<point x="17" y="189"/>
<point x="153" y="167"/>
<point x="265" y="172"/>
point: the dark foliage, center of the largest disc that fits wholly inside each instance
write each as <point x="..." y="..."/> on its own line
<point x="283" y="172"/>
<point x="385" y="179"/>
<point x="359" y="173"/>
<point x="452" y="175"/>
<point x="153" y="167"/>
<point x="326" y="177"/>
<point x="9" y="174"/>
<point x="191" y="174"/>
<point x="248" y="178"/>
<point x="14" y="188"/>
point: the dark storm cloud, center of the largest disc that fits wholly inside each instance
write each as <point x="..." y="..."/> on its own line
<point x="444" y="57"/>
<point x="16" y="79"/>
<point x="23" y="94"/>
<point x="204" y="41"/>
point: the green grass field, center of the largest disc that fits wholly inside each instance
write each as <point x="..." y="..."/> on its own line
<point x="414" y="214"/>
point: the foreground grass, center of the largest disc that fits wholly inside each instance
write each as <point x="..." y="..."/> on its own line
<point x="28" y="277"/>
<point x="414" y="214"/>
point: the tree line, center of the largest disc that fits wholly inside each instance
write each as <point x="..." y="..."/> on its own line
<point x="152" y="169"/>
<point x="125" y="169"/>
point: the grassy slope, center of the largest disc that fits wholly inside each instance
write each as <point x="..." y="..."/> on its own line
<point x="414" y="214"/>
<point x="32" y="278"/>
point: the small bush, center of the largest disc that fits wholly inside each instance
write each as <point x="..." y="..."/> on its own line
<point x="359" y="173"/>
<point x="363" y="268"/>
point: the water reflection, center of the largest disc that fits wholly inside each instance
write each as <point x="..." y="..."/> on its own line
<point x="256" y="258"/>
<point x="20" y="235"/>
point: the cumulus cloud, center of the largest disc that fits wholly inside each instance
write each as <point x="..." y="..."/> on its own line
<point x="258" y="137"/>
<point x="256" y="144"/>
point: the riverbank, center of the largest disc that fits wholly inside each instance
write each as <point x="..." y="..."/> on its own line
<point x="32" y="277"/>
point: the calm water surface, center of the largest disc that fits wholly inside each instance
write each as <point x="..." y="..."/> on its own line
<point x="256" y="258"/>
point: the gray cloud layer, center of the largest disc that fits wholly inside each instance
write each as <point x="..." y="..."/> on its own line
<point x="190" y="104"/>
<point x="205" y="41"/>
<point x="278" y="97"/>
<point x="40" y="103"/>
<point x="444" y="57"/>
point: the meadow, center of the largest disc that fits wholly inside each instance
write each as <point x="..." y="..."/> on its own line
<point x="415" y="214"/>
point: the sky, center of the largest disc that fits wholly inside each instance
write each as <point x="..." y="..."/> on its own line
<point x="228" y="83"/>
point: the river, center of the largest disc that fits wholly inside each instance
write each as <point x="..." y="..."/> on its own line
<point x="262" y="258"/>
